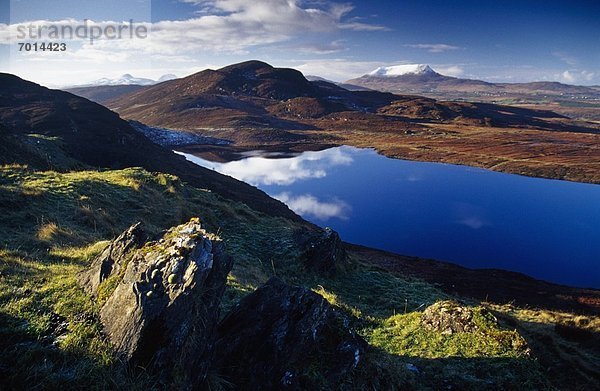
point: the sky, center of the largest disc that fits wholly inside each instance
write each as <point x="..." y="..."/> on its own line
<point x="497" y="41"/>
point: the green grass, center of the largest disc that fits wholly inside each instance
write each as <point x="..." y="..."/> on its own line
<point x="404" y="335"/>
<point x="54" y="223"/>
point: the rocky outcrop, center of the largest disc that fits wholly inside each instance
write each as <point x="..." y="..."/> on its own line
<point x="113" y="258"/>
<point x="163" y="313"/>
<point x="326" y="253"/>
<point x="449" y="317"/>
<point x="286" y="337"/>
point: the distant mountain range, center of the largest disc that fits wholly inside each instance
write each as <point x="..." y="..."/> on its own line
<point x="103" y="90"/>
<point x="256" y="95"/>
<point x="422" y="79"/>
<point x="126" y="80"/>
<point x="413" y="79"/>
<point x="401" y="70"/>
<point x="257" y="106"/>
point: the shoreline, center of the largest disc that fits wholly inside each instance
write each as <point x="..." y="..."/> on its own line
<point x="528" y="287"/>
<point x="402" y="152"/>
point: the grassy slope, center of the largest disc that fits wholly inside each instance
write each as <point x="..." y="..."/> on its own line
<point x="54" y="223"/>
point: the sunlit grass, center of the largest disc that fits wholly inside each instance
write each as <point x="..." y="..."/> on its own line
<point x="55" y="223"/>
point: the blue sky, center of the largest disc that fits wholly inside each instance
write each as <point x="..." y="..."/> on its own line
<point x="511" y="41"/>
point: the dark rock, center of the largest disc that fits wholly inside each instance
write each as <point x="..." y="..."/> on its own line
<point x="285" y="337"/>
<point x="163" y="313"/>
<point x="449" y="317"/>
<point x="326" y="253"/>
<point x="112" y="258"/>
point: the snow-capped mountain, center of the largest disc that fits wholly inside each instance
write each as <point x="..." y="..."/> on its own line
<point x="400" y="70"/>
<point x="126" y="79"/>
<point x="416" y="79"/>
<point x="105" y="89"/>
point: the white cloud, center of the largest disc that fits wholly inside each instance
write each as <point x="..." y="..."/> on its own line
<point x="569" y="77"/>
<point x="336" y="69"/>
<point x="231" y="26"/>
<point x="5" y="33"/>
<point x="222" y="28"/>
<point x="308" y="205"/>
<point x="568" y="59"/>
<point x="433" y="47"/>
<point x="235" y="25"/>
<point x="453" y="70"/>
<point x="323" y="48"/>
<point x="575" y="76"/>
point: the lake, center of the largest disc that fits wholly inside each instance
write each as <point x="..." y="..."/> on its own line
<point x="548" y="229"/>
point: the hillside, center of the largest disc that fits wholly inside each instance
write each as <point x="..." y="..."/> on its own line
<point x="88" y="134"/>
<point x="52" y="336"/>
<point x="255" y="105"/>
<point x="420" y="79"/>
<point x="578" y="102"/>
<point x="62" y="201"/>
<point x="102" y="94"/>
<point x="254" y="94"/>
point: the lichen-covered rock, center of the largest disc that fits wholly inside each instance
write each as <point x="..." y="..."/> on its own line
<point x="112" y="259"/>
<point x="163" y="313"/>
<point x="286" y="337"/>
<point x="449" y="317"/>
<point x="326" y="253"/>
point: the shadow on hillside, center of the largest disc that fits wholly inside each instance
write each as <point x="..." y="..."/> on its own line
<point x="570" y="353"/>
<point x="554" y="363"/>
<point x="492" y="285"/>
<point x="28" y="362"/>
<point x="384" y="371"/>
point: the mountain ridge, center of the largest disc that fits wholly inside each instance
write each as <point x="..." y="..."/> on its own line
<point x="124" y="80"/>
<point x="257" y="106"/>
<point x="405" y="69"/>
<point x="421" y="78"/>
<point x="97" y="137"/>
<point x="254" y="94"/>
<point x="57" y="218"/>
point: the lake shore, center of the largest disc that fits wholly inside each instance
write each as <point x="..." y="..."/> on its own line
<point x="468" y="216"/>
<point x="572" y="156"/>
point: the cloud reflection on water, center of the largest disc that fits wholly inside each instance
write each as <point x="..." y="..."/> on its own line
<point x="470" y="215"/>
<point x="309" y="205"/>
<point x="258" y="170"/>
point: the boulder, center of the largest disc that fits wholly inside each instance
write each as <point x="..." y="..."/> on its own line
<point x="326" y="253"/>
<point x="163" y="313"/>
<point x="286" y="337"/>
<point x="112" y="259"/>
<point x="449" y="317"/>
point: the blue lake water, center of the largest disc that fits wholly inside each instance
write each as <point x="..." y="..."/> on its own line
<point x="548" y="229"/>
